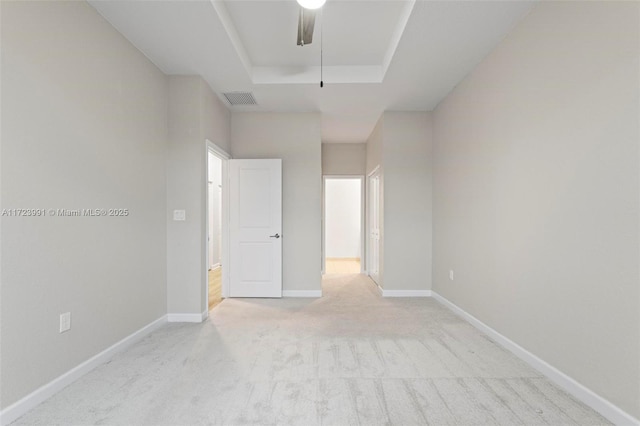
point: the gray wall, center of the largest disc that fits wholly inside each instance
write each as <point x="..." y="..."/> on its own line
<point x="344" y="158"/>
<point x="84" y="125"/>
<point x="295" y="138"/>
<point x="374" y="159"/>
<point x="194" y="116"/>
<point x="401" y="145"/>
<point x="407" y="200"/>
<point x="536" y="193"/>
<point x="215" y="118"/>
<point x="374" y="147"/>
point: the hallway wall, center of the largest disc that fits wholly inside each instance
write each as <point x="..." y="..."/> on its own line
<point x="401" y="145"/>
<point x="295" y="138"/>
<point x="344" y="158"/>
<point x="406" y="151"/>
<point x="195" y="115"/>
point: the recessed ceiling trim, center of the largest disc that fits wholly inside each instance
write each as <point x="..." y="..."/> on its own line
<point x="397" y="35"/>
<point x="334" y="74"/>
<point x="311" y="75"/>
<point x="232" y="32"/>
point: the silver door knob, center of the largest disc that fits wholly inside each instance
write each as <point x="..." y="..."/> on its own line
<point x="274" y="236"/>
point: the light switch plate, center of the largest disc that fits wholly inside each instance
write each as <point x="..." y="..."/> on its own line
<point x="179" y="215"/>
<point x="65" y="322"/>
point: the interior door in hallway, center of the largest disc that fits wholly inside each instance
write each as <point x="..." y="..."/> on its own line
<point x="255" y="228"/>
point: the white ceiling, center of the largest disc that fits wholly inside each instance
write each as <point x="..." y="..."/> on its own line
<point x="401" y="55"/>
<point x="346" y="41"/>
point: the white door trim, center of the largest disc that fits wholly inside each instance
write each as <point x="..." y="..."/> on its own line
<point x="211" y="147"/>
<point x="363" y="227"/>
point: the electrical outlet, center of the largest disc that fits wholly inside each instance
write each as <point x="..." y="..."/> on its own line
<point x="65" y="322"/>
<point x="179" y="215"/>
<point x="451" y="274"/>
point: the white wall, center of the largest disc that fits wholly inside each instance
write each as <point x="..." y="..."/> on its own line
<point x="537" y="193"/>
<point x="215" y="214"/>
<point x="295" y="138"/>
<point x="344" y="158"/>
<point x="342" y="204"/>
<point x="191" y="122"/>
<point x="84" y="125"/>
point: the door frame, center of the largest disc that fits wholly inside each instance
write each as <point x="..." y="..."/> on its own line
<point x="214" y="149"/>
<point x="363" y="251"/>
<point x="374" y="173"/>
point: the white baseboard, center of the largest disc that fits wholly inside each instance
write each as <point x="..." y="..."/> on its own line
<point x="301" y="293"/>
<point x="187" y="317"/>
<point x="18" y="408"/>
<point x="579" y="391"/>
<point x="404" y="293"/>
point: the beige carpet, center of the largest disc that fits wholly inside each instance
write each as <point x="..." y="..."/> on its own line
<point x="348" y="358"/>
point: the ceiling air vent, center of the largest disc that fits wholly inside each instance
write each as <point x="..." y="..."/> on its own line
<point x="240" y="98"/>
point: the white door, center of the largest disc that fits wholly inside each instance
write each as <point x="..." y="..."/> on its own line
<point x="255" y="228"/>
<point x="374" y="227"/>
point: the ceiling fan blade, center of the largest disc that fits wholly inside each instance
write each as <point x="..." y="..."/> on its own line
<point x="306" y="22"/>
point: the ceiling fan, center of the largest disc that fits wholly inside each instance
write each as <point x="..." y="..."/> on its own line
<point x="307" y="20"/>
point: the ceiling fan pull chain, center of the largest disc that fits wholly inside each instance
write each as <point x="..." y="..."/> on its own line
<point x="321" y="26"/>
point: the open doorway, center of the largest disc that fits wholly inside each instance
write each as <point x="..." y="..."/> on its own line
<point x="216" y="168"/>
<point x="343" y="235"/>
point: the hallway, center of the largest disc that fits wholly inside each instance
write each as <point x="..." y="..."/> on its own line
<point x="214" y="280"/>
<point x="342" y="266"/>
<point x="350" y="357"/>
